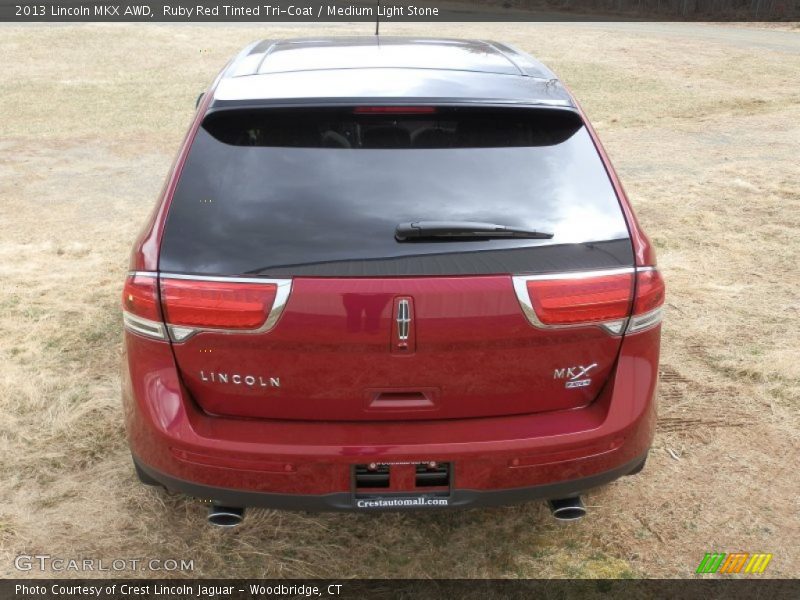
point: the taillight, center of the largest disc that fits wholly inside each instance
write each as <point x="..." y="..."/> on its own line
<point x="649" y="302"/>
<point x="221" y="304"/>
<point x="217" y="305"/>
<point x="602" y="298"/>
<point x="587" y="300"/>
<point x="140" y="311"/>
<point x="649" y="291"/>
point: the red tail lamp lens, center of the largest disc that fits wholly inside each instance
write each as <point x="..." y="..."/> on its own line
<point x="139" y="297"/>
<point x="592" y="299"/>
<point x="213" y="304"/>
<point x="649" y="291"/>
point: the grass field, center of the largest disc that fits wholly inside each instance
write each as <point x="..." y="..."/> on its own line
<point x="703" y="125"/>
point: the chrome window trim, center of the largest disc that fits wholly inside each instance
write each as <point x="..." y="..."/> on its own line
<point x="181" y="333"/>
<point x="142" y="326"/>
<point x="614" y="327"/>
<point x="577" y="274"/>
<point x="221" y="278"/>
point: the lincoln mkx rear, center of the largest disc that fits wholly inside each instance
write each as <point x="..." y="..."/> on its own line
<point x="394" y="276"/>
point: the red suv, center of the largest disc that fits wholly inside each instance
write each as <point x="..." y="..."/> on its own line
<point x="388" y="274"/>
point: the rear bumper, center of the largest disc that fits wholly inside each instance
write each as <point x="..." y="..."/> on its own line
<point x="343" y="501"/>
<point x="309" y="465"/>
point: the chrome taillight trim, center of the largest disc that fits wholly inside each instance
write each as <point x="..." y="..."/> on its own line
<point x="142" y="326"/>
<point x="613" y="327"/>
<point x="643" y="322"/>
<point x="181" y="333"/>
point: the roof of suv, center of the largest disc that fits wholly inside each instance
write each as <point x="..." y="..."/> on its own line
<point x="388" y="68"/>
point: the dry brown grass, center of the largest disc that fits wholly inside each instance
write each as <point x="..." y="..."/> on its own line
<point x="704" y="134"/>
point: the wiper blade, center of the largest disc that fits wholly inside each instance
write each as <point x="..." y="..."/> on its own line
<point x="459" y="231"/>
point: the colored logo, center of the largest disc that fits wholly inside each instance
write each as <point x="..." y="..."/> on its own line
<point x="737" y="562"/>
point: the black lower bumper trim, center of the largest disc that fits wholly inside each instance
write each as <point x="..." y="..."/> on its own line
<point x="459" y="498"/>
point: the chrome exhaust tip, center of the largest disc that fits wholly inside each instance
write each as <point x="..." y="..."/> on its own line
<point x="567" y="509"/>
<point x="225" y="516"/>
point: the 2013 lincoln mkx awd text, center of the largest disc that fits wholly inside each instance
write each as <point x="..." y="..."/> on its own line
<point x="390" y="274"/>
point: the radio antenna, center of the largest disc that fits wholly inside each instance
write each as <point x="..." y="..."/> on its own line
<point x="378" y="18"/>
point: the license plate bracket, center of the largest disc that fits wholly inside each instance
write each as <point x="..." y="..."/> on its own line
<point x="400" y="501"/>
<point x="402" y="485"/>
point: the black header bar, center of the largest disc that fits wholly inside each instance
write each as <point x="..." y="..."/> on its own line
<point x="305" y="11"/>
<point x="424" y="589"/>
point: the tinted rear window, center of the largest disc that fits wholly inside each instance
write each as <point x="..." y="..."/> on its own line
<point x="320" y="192"/>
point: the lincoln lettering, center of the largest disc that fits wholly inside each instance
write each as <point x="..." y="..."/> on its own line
<point x="239" y="379"/>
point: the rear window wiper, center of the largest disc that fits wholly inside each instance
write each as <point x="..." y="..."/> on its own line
<point x="459" y="231"/>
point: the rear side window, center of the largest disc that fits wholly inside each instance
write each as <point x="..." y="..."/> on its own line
<point x="320" y="192"/>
